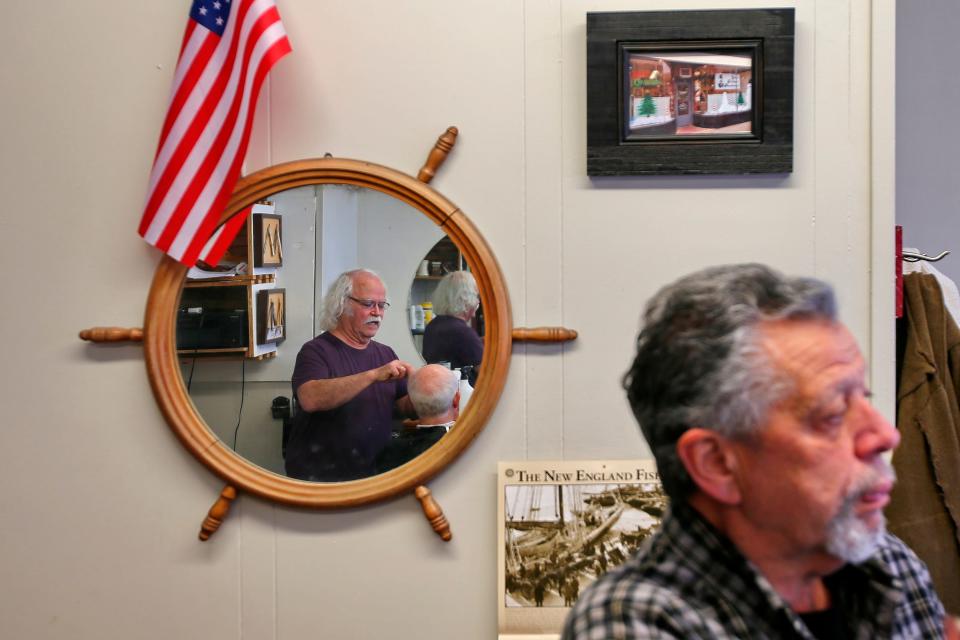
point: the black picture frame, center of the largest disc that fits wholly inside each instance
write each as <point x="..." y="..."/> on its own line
<point x="271" y="315"/>
<point x="763" y="145"/>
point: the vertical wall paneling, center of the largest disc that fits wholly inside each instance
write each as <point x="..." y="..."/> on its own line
<point x="541" y="298"/>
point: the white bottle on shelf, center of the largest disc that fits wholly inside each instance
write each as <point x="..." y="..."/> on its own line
<point x="465" y="389"/>
<point x="419" y="324"/>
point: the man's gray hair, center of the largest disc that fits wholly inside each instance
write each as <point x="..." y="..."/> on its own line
<point x="456" y="294"/>
<point x="699" y="361"/>
<point x="335" y="302"/>
<point x="432" y="395"/>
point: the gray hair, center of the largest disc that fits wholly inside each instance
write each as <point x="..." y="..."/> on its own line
<point x="432" y="389"/>
<point x="334" y="303"/>
<point x="699" y="360"/>
<point x="456" y="294"/>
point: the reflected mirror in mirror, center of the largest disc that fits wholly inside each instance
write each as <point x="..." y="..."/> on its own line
<point x="327" y="229"/>
<point x="446" y="317"/>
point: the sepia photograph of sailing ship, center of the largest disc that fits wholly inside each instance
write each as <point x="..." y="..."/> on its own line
<point x="559" y="536"/>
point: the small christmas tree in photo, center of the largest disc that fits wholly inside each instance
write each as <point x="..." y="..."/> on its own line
<point x="647" y="107"/>
<point x="740" y="100"/>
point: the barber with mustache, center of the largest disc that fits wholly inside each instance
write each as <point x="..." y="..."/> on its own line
<point x="348" y="386"/>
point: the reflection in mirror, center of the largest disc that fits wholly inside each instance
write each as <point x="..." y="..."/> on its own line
<point x="446" y="318"/>
<point x="327" y="229"/>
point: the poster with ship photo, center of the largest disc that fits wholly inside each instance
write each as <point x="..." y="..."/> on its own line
<point x="562" y="524"/>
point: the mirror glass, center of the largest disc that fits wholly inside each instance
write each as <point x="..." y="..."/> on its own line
<point x="446" y="316"/>
<point x="326" y="229"/>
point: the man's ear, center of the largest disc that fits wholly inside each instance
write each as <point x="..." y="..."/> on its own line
<point x="709" y="459"/>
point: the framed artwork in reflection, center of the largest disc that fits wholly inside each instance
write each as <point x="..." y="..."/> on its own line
<point x="271" y="316"/>
<point x="267" y="240"/>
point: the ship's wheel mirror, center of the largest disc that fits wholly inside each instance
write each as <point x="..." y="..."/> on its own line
<point x="170" y="388"/>
<point x="172" y="371"/>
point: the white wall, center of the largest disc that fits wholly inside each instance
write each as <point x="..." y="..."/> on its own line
<point x="337" y="238"/>
<point x="396" y="237"/>
<point x="101" y="504"/>
<point x="928" y="100"/>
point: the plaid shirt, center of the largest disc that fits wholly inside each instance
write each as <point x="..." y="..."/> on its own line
<point x="689" y="581"/>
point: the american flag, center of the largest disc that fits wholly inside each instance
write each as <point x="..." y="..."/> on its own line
<point x="228" y="49"/>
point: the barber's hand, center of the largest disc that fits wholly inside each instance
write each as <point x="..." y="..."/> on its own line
<point x="393" y="371"/>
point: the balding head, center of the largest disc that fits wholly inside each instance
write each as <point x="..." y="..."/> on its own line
<point x="434" y="391"/>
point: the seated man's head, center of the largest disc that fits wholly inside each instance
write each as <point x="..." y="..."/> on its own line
<point x="457" y="295"/>
<point x="435" y="393"/>
<point x="752" y="397"/>
<point x="354" y="306"/>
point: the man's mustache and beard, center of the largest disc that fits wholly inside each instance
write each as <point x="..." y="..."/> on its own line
<point x="850" y="537"/>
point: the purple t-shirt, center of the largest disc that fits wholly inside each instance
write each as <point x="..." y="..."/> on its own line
<point x="342" y="443"/>
<point x="448" y="338"/>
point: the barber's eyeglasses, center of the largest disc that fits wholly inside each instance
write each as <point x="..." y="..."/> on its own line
<point x="370" y="304"/>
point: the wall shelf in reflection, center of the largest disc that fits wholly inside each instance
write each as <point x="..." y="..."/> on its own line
<point x="217" y="314"/>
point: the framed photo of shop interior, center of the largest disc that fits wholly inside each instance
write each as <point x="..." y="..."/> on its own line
<point x="690" y="92"/>
<point x="271" y="315"/>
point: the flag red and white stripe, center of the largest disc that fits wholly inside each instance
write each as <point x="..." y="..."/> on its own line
<point x="222" y="236"/>
<point x="228" y="49"/>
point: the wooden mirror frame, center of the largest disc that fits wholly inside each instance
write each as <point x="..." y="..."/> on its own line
<point x="163" y="369"/>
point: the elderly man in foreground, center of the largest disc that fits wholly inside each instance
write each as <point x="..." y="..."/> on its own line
<point x="347" y="384"/>
<point x="752" y="397"/>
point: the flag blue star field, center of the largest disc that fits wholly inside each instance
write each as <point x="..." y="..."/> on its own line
<point x="228" y="48"/>
<point x="212" y="15"/>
